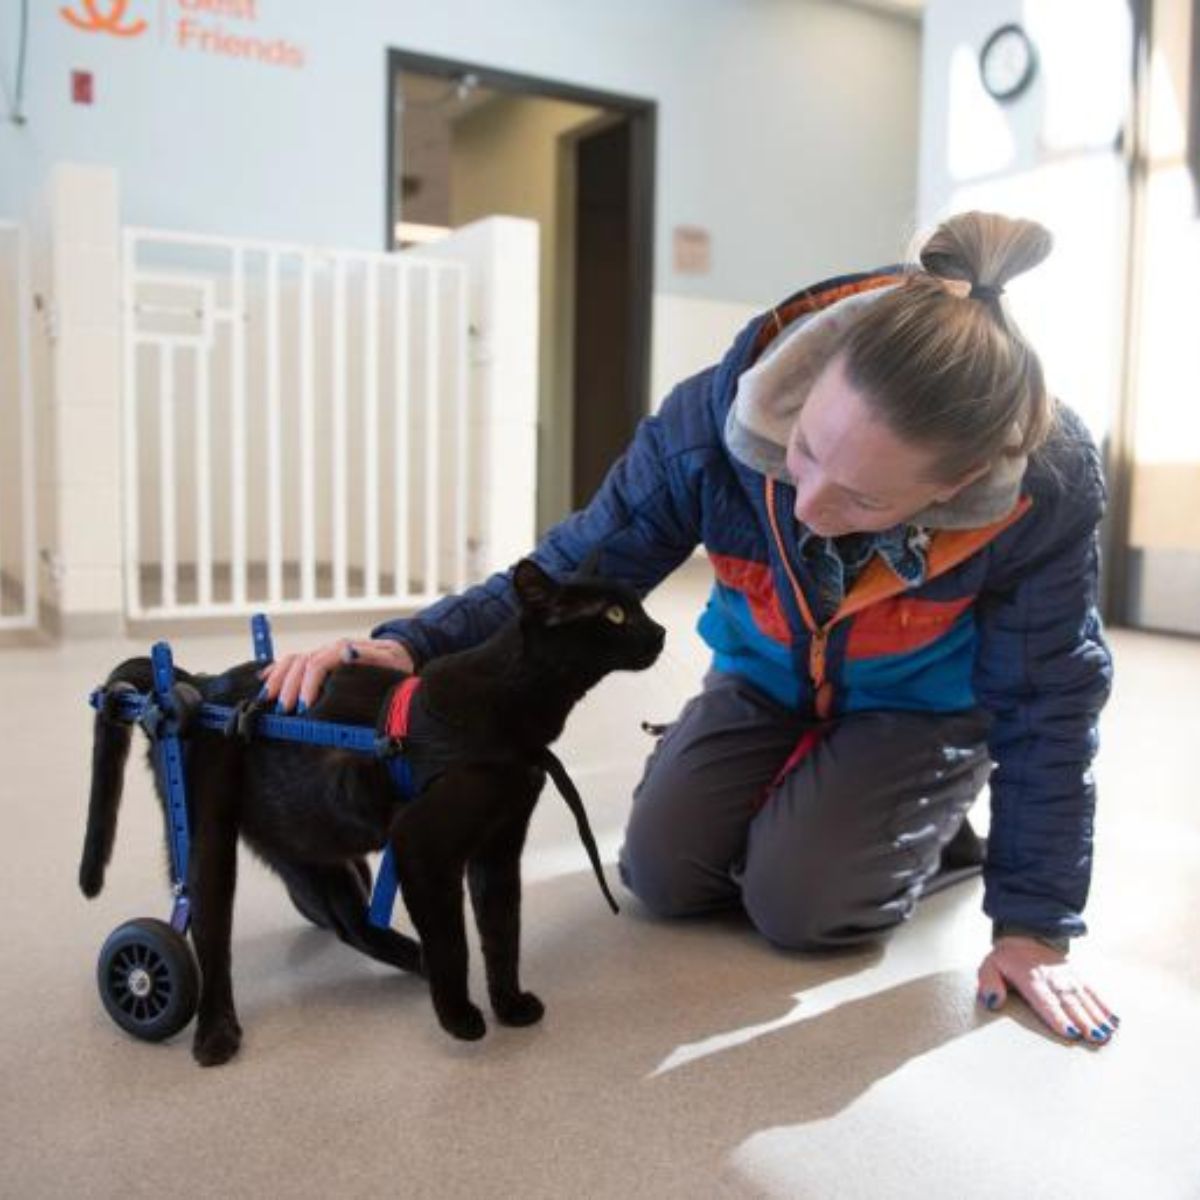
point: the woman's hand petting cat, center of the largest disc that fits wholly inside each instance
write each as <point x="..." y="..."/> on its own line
<point x="1050" y="985"/>
<point x="299" y="677"/>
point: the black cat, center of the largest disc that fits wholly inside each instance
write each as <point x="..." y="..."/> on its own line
<point x="487" y="715"/>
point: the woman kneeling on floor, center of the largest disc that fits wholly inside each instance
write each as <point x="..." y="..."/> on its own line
<point x="903" y="527"/>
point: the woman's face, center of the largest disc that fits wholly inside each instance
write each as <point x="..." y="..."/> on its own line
<point x="851" y="472"/>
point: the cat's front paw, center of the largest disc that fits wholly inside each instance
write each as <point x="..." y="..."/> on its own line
<point x="523" y="1008"/>
<point x="465" y="1023"/>
<point x="216" y="1042"/>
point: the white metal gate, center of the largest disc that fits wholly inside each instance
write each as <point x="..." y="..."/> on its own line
<point x="295" y="427"/>
<point x="18" y="539"/>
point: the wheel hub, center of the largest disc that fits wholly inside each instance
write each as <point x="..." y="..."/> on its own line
<point x="139" y="982"/>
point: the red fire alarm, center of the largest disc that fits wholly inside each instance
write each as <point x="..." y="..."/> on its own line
<point x="81" y="87"/>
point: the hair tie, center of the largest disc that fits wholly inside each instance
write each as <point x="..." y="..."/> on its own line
<point x="985" y="291"/>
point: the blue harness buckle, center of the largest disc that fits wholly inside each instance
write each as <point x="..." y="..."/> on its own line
<point x="387" y="746"/>
<point x="243" y="720"/>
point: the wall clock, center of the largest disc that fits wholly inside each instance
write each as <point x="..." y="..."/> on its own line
<point x="1007" y="63"/>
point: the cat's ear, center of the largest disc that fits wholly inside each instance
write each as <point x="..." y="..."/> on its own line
<point x="535" y="589"/>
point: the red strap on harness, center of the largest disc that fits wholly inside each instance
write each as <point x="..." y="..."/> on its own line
<point x="400" y="707"/>
<point x="398" y="715"/>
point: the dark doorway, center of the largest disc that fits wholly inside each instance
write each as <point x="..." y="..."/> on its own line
<point x="595" y="368"/>
<point x="607" y="403"/>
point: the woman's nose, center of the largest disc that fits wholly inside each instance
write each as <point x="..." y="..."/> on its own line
<point x="813" y="501"/>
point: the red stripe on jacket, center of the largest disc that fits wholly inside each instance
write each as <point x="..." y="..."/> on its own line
<point x="754" y="581"/>
<point x="902" y="624"/>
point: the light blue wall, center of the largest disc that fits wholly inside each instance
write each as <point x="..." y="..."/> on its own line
<point x="787" y="128"/>
<point x="1074" y="107"/>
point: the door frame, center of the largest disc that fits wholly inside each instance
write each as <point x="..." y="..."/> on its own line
<point x="643" y="119"/>
<point x="1117" y="451"/>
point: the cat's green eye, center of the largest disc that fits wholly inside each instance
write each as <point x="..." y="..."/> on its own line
<point x="615" y="613"/>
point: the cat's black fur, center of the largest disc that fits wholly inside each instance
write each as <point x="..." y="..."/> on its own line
<point x="312" y="814"/>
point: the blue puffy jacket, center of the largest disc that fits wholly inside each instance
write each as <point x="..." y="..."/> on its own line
<point x="1006" y="617"/>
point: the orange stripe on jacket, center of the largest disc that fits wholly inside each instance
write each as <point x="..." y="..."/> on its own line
<point x="810" y="302"/>
<point x="754" y="581"/>
<point x="952" y="546"/>
<point x="901" y="624"/>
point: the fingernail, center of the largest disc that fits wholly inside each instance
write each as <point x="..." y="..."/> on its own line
<point x="1114" y="1019"/>
<point x="262" y="694"/>
<point x="1072" y="1032"/>
<point x="279" y="706"/>
<point x="1098" y="1036"/>
<point x="992" y="1000"/>
<point x="301" y="707"/>
<point x="349" y="654"/>
<point x="1106" y="1029"/>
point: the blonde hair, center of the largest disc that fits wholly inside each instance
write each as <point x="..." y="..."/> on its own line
<point x="947" y="367"/>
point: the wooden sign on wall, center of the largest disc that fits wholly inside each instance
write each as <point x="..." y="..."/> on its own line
<point x="693" y="250"/>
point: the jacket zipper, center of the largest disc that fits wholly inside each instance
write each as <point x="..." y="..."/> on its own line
<point x="822" y="688"/>
<point x="818" y="634"/>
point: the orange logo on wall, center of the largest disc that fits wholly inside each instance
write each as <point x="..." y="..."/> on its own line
<point x="96" y="21"/>
<point x="192" y="26"/>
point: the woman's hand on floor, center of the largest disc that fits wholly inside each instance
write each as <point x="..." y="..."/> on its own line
<point x="1050" y="985"/>
<point x="298" y="677"/>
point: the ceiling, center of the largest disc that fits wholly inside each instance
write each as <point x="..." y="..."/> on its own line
<point x="441" y="95"/>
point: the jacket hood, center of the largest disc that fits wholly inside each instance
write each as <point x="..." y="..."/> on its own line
<point x="771" y="393"/>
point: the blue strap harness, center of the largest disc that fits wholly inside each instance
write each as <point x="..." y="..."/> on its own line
<point x="168" y="713"/>
<point x="166" y="716"/>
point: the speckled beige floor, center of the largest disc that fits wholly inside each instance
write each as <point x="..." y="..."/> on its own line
<point x="676" y="1060"/>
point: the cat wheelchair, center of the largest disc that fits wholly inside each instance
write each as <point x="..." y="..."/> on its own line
<point x="147" y="974"/>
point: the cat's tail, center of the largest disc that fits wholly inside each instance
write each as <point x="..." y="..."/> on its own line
<point x="111" y="737"/>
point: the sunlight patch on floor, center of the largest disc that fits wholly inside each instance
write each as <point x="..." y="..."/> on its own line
<point x="956" y="1120"/>
<point x="903" y="960"/>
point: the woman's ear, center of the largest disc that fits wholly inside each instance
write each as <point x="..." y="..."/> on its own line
<point x="535" y="589"/>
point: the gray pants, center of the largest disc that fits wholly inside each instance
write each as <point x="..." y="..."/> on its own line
<point x="836" y="851"/>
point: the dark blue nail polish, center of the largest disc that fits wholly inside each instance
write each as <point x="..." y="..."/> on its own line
<point x="1072" y="1032"/>
<point x="991" y="1000"/>
<point x="301" y="707"/>
<point x="1106" y="1029"/>
<point x="279" y="706"/>
<point x="1114" y="1019"/>
<point x="262" y="694"/>
<point x="351" y="653"/>
<point x="1099" y="1036"/>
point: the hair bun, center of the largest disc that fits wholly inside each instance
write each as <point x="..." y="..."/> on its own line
<point x="985" y="250"/>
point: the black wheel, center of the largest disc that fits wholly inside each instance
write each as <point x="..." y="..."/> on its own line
<point x="148" y="978"/>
